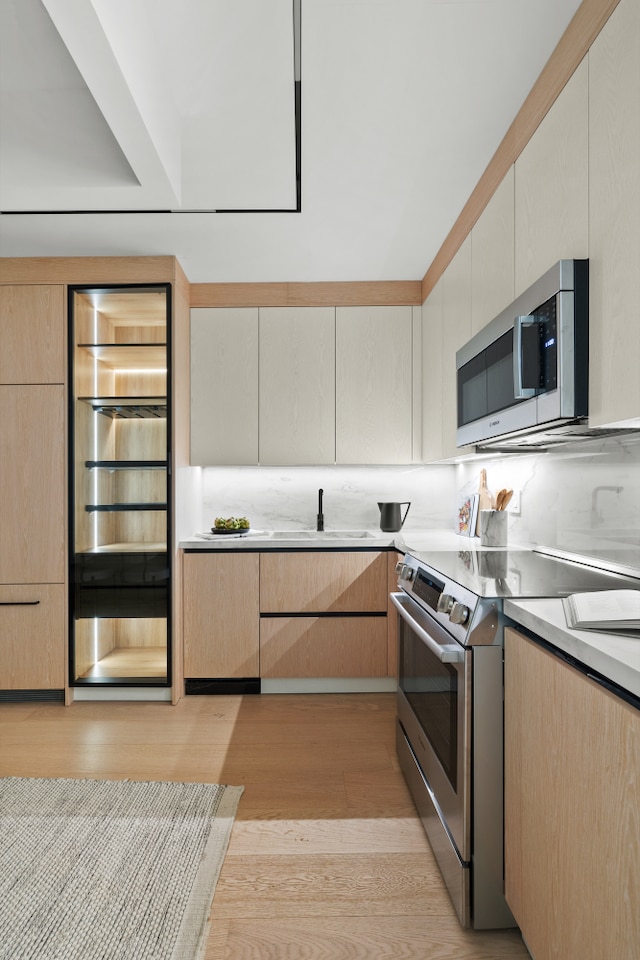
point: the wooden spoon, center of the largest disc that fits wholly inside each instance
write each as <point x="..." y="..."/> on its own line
<point x="506" y="499"/>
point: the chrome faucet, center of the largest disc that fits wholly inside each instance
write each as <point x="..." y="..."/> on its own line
<point x="596" y="514"/>
<point x="320" y="520"/>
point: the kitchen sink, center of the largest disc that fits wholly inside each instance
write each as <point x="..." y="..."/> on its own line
<point x="322" y="534"/>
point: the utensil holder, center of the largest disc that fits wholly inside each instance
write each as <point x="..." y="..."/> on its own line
<point x="493" y="528"/>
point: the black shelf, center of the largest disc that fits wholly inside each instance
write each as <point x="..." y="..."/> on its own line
<point x="122" y="507"/>
<point x="140" y="408"/>
<point x="126" y="464"/>
<point x="120" y="346"/>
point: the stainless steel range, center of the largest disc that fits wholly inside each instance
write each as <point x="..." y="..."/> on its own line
<point x="450" y="704"/>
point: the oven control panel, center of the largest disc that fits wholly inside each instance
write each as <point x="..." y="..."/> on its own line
<point x="451" y="604"/>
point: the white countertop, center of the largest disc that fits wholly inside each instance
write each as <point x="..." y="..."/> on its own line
<point x="616" y="658"/>
<point x="265" y="540"/>
<point x="404" y="541"/>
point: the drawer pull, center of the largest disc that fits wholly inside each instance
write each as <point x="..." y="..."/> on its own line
<point x="19" y="603"/>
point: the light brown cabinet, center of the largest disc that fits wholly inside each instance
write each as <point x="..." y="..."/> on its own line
<point x="323" y="647"/>
<point x="32" y="484"/>
<point x="299" y="614"/>
<point x="572" y="795"/>
<point x="348" y="590"/>
<point x="323" y="582"/>
<point x="221" y="615"/>
<point x="32" y="324"/>
<point x="32" y="487"/>
<point x="32" y="620"/>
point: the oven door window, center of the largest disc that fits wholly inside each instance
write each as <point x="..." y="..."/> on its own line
<point x="431" y="688"/>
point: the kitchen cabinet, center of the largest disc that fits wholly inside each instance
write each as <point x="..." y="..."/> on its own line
<point x="392" y="614"/>
<point x="572" y="795"/>
<point x="302" y="385"/>
<point x="297" y="394"/>
<point x="551" y="186"/>
<point x="323" y="647"/>
<point x="446" y="326"/>
<point x="32" y="484"/>
<point x="221" y="615"/>
<point x="323" y="614"/>
<point x="374" y="388"/>
<point x="492" y="256"/>
<point x="456" y="323"/>
<point x="32" y="322"/>
<point x="224" y="386"/>
<point x="32" y="488"/>
<point x="432" y="366"/>
<point x="32" y="631"/>
<point x="614" y="218"/>
<point x="323" y="581"/>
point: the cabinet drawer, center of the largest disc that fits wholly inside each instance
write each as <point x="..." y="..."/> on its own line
<point x="323" y="647"/>
<point x="32" y="636"/>
<point x="323" y="582"/>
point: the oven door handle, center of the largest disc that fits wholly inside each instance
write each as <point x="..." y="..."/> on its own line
<point x="446" y="653"/>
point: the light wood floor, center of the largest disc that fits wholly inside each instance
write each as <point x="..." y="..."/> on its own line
<point x="327" y="859"/>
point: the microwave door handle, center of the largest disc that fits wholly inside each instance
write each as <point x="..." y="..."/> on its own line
<point x="446" y="653"/>
<point x="519" y="391"/>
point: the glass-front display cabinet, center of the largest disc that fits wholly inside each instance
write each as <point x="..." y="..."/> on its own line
<point x="120" y="506"/>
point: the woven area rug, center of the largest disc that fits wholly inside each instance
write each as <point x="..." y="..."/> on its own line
<point x="109" y="870"/>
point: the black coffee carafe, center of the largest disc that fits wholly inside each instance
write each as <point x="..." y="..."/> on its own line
<point x="391" y="518"/>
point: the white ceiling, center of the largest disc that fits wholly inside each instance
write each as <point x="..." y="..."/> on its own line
<point x="153" y="105"/>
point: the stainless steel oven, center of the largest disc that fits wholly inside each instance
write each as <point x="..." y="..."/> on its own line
<point x="450" y="719"/>
<point x="449" y="730"/>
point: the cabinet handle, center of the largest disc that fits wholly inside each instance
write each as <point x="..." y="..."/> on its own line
<point x="19" y="603"/>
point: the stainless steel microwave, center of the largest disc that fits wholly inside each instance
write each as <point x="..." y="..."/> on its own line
<point x="528" y="370"/>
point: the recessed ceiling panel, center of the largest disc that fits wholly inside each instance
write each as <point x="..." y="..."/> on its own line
<point x="237" y="100"/>
<point x="53" y="135"/>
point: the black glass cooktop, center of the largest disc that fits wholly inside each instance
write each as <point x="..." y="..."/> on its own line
<point x="521" y="573"/>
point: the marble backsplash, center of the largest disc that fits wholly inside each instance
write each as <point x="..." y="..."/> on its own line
<point x="286" y="498"/>
<point x="583" y="497"/>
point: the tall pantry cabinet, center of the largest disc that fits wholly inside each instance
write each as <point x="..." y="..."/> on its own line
<point x="120" y="506"/>
<point x="32" y="492"/>
<point x="91" y="379"/>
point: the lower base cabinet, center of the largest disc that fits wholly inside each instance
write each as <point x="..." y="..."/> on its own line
<point x="278" y="615"/>
<point x="572" y="802"/>
<point x="32" y="636"/>
<point x="221" y="615"/>
<point x="323" y="647"/>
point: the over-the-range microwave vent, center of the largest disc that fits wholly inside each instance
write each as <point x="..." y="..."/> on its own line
<point x="540" y="440"/>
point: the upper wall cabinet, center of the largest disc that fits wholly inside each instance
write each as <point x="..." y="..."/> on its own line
<point x="456" y="319"/>
<point x="492" y="256"/>
<point x="32" y="326"/>
<point x="224" y="386"/>
<point x="551" y="186"/>
<point x="374" y="386"/>
<point x="614" y="218"/>
<point x="301" y="385"/>
<point x="432" y="363"/>
<point x="297" y="385"/>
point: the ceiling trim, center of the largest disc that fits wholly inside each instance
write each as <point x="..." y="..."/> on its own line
<point x="572" y="47"/>
<point x="347" y="293"/>
<point x="88" y="270"/>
